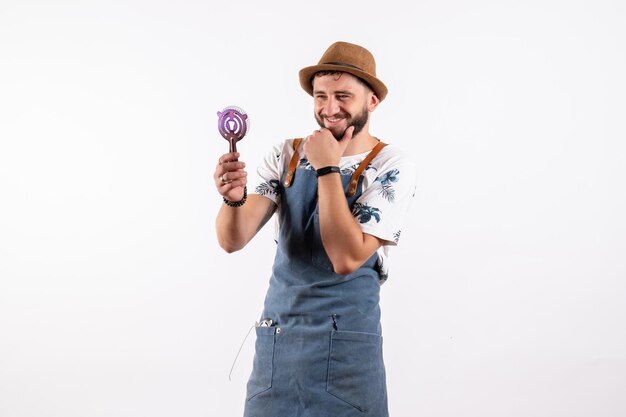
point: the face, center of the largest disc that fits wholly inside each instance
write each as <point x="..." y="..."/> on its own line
<point x="341" y="101"/>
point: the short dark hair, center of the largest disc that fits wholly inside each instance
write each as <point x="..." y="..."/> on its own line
<point x="339" y="74"/>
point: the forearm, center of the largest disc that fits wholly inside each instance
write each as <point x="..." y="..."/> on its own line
<point x="344" y="242"/>
<point x="232" y="231"/>
<point x="236" y="226"/>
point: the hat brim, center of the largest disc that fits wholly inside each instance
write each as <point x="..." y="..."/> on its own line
<point x="306" y="78"/>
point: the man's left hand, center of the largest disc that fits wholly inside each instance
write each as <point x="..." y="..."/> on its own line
<point x="322" y="149"/>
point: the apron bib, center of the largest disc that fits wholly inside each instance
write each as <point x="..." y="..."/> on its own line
<point x="321" y="354"/>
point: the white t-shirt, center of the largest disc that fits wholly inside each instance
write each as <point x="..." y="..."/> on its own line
<point x="388" y="189"/>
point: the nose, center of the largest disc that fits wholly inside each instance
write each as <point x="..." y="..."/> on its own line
<point x="331" y="107"/>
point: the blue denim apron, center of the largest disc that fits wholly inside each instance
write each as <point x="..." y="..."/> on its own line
<point x="321" y="356"/>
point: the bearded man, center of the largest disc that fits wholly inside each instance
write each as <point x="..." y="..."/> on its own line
<point x="340" y="196"/>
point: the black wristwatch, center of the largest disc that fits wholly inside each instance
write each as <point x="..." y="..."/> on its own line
<point x="327" y="170"/>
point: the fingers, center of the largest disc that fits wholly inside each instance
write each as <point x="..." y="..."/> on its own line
<point x="229" y="167"/>
<point x="228" y="163"/>
<point x="228" y="157"/>
<point x="233" y="190"/>
<point x="347" y="135"/>
<point x="322" y="149"/>
<point x="224" y="188"/>
<point x="345" y="140"/>
<point x="322" y="132"/>
<point x="229" y="175"/>
<point x="319" y="135"/>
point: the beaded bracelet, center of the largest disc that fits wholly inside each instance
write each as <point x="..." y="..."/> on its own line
<point x="240" y="202"/>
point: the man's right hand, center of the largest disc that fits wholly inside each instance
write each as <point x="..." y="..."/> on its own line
<point x="236" y="226"/>
<point x="230" y="177"/>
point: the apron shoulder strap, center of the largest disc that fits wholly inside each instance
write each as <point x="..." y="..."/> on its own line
<point x="354" y="180"/>
<point x="293" y="163"/>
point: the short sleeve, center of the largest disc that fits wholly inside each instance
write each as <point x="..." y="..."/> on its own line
<point x="266" y="178"/>
<point x="384" y="204"/>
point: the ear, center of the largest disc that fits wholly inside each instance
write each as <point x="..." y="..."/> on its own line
<point x="372" y="102"/>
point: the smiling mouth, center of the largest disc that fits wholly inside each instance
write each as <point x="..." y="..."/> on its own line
<point x="334" y="119"/>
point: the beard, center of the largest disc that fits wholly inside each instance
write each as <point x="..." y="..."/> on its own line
<point x="359" y="122"/>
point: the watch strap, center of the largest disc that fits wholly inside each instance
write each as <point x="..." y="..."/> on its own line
<point x="327" y="170"/>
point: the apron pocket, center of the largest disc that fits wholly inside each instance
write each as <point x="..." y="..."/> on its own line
<point x="262" y="368"/>
<point x="356" y="373"/>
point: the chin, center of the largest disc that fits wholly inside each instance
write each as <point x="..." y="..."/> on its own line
<point x="338" y="133"/>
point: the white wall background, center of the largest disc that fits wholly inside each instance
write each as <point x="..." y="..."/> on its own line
<point x="507" y="294"/>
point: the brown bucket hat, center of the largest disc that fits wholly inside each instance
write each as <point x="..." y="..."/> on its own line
<point x="346" y="57"/>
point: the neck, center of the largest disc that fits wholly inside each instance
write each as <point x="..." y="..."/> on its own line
<point x="360" y="143"/>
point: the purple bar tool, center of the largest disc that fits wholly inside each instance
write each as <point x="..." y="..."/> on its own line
<point x="233" y="125"/>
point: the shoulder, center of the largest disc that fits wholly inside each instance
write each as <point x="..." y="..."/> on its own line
<point x="281" y="153"/>
<point x="393" y="168"/>
<point x="393" y="154"/>
<point x="392" y="157"/>
<point x="281" y="149"/>
<point x="289" y="145"/>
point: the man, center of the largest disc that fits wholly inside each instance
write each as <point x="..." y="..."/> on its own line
<point x="340" y="196"/>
